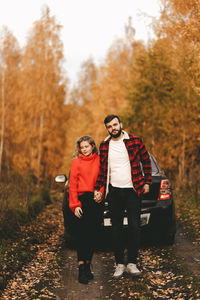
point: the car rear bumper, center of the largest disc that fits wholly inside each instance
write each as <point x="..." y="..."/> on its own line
<point x="157" y="219"/>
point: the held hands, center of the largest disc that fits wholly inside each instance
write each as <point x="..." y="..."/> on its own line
<point x="145" y="188"/>
<point x="78" y="212"/>
<point x="98" y="196"/>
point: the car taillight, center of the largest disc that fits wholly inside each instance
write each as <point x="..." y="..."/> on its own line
<point x="165" y="190"/>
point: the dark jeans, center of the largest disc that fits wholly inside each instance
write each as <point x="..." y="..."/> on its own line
<point x="120" y="199"/>
<point x="88" y="226"/>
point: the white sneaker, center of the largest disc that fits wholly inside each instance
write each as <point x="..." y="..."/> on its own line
<point x="132" y="269"/>
<point x="119" y="270"/>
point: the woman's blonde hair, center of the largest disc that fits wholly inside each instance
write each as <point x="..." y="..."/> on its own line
<point x="84" y="138"/>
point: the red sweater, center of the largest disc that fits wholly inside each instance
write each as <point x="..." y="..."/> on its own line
<point x="83" y="176"/>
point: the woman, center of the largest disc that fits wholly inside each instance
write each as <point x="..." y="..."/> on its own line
<point x="83" y="175"/>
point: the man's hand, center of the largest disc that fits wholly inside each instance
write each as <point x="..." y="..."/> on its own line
<point x="146" y="189"/>
<point x="78" y="212"/>
<point x="97" y="196"/>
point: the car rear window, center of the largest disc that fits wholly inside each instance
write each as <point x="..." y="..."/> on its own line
<point x="154" y="166"/>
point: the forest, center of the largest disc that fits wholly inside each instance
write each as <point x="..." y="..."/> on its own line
<point x="154" y="87"/>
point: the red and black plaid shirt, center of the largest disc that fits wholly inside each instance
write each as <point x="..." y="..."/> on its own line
<point x="137" y="154"/>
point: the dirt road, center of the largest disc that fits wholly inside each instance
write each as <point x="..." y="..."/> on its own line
<point x="165" y="275"/>
<point x="167" y="272"/>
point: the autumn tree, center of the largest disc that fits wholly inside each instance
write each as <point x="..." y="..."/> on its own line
<point x="10" y="57"/>
<point x="151" y="96"/>
<point x="179" y="23"/>
<point x="43" y="85"/>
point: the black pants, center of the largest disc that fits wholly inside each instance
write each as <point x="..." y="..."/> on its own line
<point x="119" y="200"/>
<point x="88" y="226"/>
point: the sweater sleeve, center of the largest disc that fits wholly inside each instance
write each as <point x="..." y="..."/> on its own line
<point x="73" y="186"/>
<point x="146" y="163"/>
<point x="100" y="182"/>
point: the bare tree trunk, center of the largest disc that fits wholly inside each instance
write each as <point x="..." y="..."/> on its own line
<point x="181" y="173"/>
<point x="41" y="133"/>
<point x="2" y="121"/>
<point x="32" y="142"/>
<point x="40" y="144"/>
<point x="183" y="157"/>
<point x="8" y="158"/>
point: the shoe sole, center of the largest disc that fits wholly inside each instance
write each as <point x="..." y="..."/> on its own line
<point x="134" y="274"/>
<point x="91" y="278"/>
<point x="83" y="282"/>
<point x="118" y="276"/>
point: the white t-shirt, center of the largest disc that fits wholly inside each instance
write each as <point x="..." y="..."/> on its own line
<point x="119" y="165"/>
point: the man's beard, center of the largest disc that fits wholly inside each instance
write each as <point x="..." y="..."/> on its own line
<point x="116" y="135"/>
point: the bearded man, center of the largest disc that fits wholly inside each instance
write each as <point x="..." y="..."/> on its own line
<point x="125" y="172"/>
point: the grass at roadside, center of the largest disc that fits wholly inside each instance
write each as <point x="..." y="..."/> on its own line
<point x="38" y="267"/>
<point x="13" y="255"/>
<point x="188" y="214"/>
<point x="19" y="246"/>
<point x="21" y="199"/>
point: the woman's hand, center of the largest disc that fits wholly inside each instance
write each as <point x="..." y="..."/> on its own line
<point x="78" y="212"/>
<point x="97" y="196"/>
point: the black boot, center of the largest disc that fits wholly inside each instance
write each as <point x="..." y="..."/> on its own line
<point x="88" y="271"/>
<point x="82" y="278"/>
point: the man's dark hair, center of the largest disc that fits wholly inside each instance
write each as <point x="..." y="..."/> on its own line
<point x="109" y="118"/>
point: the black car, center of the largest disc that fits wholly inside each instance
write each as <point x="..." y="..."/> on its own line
<point x="157" y="211"/>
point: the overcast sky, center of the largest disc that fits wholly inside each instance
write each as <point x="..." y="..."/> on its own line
<point x="89" y="26"/>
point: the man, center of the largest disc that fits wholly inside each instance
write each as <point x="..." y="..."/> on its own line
<point x="121" y="157"/>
